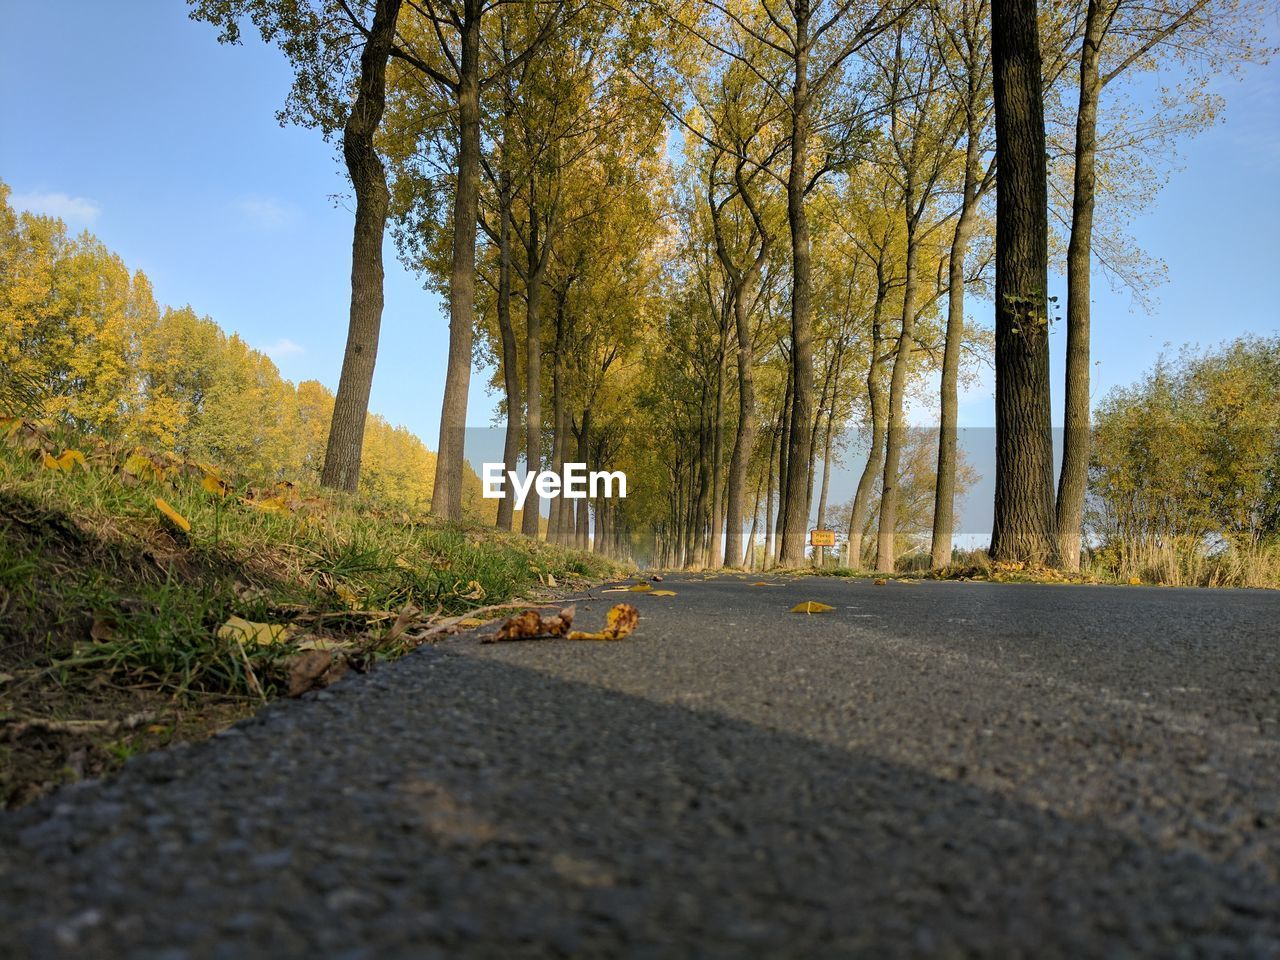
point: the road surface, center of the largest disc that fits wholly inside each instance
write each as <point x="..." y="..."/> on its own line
<point x="932" y="769"/>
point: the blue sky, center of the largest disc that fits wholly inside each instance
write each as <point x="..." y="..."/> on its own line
<point x="138" y="125"/>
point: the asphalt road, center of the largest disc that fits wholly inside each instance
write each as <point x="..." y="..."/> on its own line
<point x="933" y="769"/>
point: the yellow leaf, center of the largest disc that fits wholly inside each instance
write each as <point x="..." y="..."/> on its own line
<point x="468" y="622"/>
<point x="261" y="634"/>
<point x="347" y="595"/>
<point x="662" y="593"/>
<point x="475" y="591"/>
<point x="619" y="622"/>
<point x="1135" y="581"/>
<point x="214" y="484"/>
<point x="66" y="462"/>
<point x="270" y="505"/>
<point x="173" y="516"/>
<point x="640" y="588"/>
<point x="811" y="606"/>
<point x="880" y="582"/>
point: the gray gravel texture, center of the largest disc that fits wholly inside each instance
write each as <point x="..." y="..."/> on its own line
<point x="934" y="769"/>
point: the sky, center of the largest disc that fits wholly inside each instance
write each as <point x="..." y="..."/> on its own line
<point x="164" y="143"/>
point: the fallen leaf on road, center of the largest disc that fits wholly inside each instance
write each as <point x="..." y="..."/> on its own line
<point x="640" y="588"/>
<point x="881" y="582"/>
<point x="1135" y="581"/>
<point x="762" y="583"/>
<point x="530" y="625"/>
<point x="619" y="622"/>
<point x="811" y="606"/>
<point x="662" y="593"/>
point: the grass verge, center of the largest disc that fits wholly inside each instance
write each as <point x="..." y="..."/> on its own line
<point x="146" y="599"/>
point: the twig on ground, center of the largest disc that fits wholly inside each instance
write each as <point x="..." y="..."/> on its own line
<point x="45" y="725"/>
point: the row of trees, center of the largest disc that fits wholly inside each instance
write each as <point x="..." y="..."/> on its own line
<point x="86" y="334"/>
<point x="697" y="238"/>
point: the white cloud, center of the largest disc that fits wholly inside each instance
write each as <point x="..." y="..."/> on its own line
<point x="284" y="347"/>
<point x="265" y="213"/>
<point x="78" y="211"/>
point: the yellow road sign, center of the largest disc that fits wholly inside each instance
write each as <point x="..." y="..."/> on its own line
<point x="822" y="538"/>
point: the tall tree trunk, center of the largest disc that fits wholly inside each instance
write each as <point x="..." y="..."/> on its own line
<point x="1025" y="527"/>
<point x="784" y="447"/>
<point x="889" y="492"/>
<point x="770" y="543"/>
<point x="744" y="438"/>
<point x="446" y="498"/>
<point x="698" y="545"/>
<point x="510" y="354"/>
<point x="749" y="559"/>
<point x="369" y="180"/>
<point x="536" y="264"/>
<point x="582" y="535"/>
<point x="795" y="504"/>
<point x="555" y="525"/>
<point x="944" y="492"/>
<point x="875" y="455"/>
<point x="1075" y="434"/>
<point x="716" y="551"/>
<point x="826" y="469"/>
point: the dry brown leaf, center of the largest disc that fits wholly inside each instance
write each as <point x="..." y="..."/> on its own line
<point x="530" y="625"/>
<point x="880" y="581"/>
<point x="811" y="606"/>
<point x="305" y="669"/>
<point x="101" y="631"/>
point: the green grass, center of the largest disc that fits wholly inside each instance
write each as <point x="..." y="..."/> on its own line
<point x="105" y="603"/>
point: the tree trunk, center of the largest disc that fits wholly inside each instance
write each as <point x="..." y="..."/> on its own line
<point x="1025" y="528"/>
<point x="716" y="545"/>
<point x="770" y="543"/>
<point x="583" y="533"/>
<point x="446" y="499"/>
<point x="875" y="455"/>
<point x="510" y="356"/>
<point x="744" y="437"/>
<point x="369" y="180"/>
<point x="784" y="446"/>
<point x="888" y="528"/>
<point x="535" y="270"/>
<point x="795" y="504"/>
<point x="1075" y="434"/>
<point x="555" y="525"/>
<point x="945" y="485"/>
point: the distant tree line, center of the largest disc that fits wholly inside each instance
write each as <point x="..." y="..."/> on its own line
<point x="83" y="341"/>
